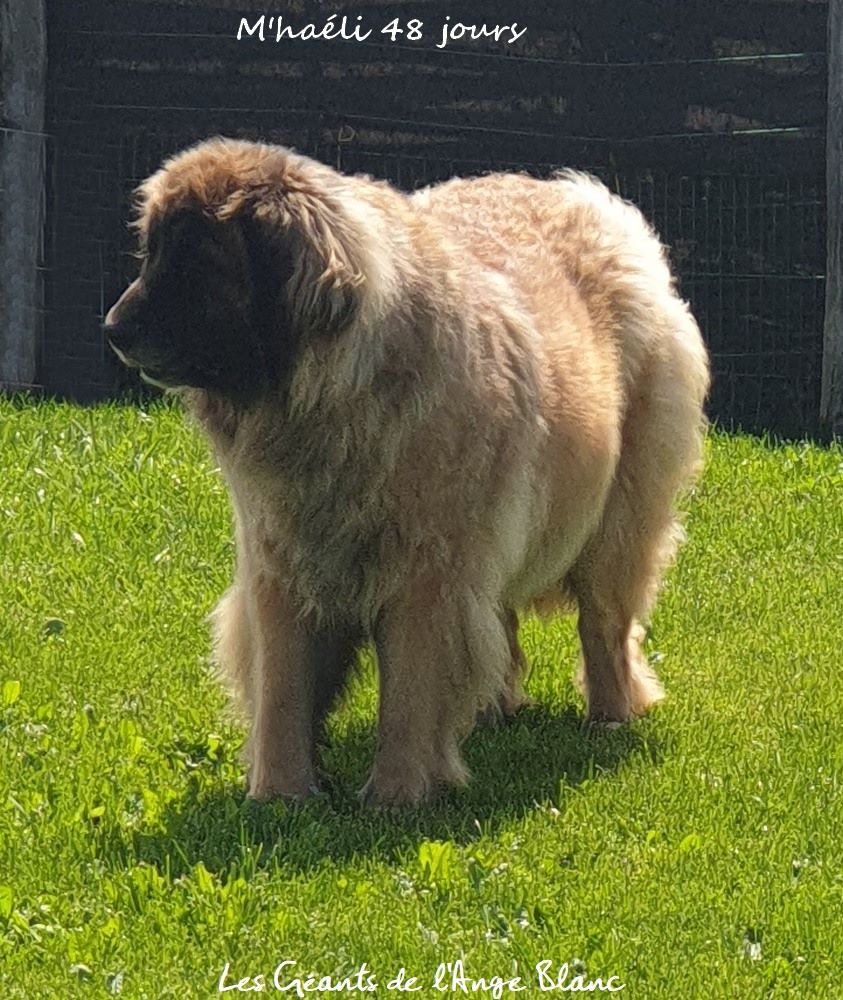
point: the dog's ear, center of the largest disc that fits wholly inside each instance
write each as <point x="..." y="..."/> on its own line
<point x="310" y="234"/>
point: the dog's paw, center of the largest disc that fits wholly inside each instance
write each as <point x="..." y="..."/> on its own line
<point x="601" y="723"/>
<point x="504" y="709"/>
<point x="394" y="791"/>
<point x="265" y="786"/>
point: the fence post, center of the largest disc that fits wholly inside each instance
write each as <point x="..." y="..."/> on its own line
<point x="831" y="405"/>
<point x="23" y="72"/>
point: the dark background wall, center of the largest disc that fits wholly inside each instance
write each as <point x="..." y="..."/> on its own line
<point x="708" y="113"/>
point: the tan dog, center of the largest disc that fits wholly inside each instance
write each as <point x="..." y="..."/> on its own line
<point x="432" y="411"/>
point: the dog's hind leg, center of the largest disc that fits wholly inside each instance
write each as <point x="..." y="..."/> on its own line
<point x="442" y="655"/>
<point x="615" y="580"/>
<point x="333" y="654"/>
<point x="618" y="682"/>
<point x="512" y="698"/>
<point x="616" y="577"/>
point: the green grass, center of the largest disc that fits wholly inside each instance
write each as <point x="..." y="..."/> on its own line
<point x="698" y="853"/>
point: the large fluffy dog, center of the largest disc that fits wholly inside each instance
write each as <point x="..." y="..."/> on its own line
<point x="432" y="411"/>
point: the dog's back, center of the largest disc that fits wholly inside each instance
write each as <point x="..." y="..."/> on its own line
<point x="567" y="241"/>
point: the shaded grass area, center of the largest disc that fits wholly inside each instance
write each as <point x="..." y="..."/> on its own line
<point x="696" y="853"/>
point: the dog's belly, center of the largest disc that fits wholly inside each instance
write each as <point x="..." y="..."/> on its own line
<point x="546" y="569"/>
<point x="541" y="540"/>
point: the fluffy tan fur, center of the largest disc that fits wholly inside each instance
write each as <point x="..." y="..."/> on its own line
<point x="505" y="417"/>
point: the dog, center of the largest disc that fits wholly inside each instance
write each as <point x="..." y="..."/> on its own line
<point x="433" y="411"/>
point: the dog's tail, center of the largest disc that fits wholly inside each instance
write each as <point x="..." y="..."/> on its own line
<point x="627" y="265"/>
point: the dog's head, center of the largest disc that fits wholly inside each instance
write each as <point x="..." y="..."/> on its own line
<point x="245" y="252"/>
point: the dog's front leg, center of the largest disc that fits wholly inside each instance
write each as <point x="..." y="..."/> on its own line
<point x="442" y="654"/>
<point x="297" y="668"/>
<point x="280" y="748"/>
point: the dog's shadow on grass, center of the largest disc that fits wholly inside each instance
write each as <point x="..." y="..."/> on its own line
<point x="524" y="765"/>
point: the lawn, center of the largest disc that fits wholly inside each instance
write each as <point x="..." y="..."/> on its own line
<point x="697" y="853"/>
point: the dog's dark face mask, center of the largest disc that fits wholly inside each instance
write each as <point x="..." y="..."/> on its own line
<point x="205" y="311"/>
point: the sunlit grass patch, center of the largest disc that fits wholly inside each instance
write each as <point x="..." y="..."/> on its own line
<point x="696" y="853"/>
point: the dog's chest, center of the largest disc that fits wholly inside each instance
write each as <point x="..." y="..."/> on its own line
<point x="325" y="515"/>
